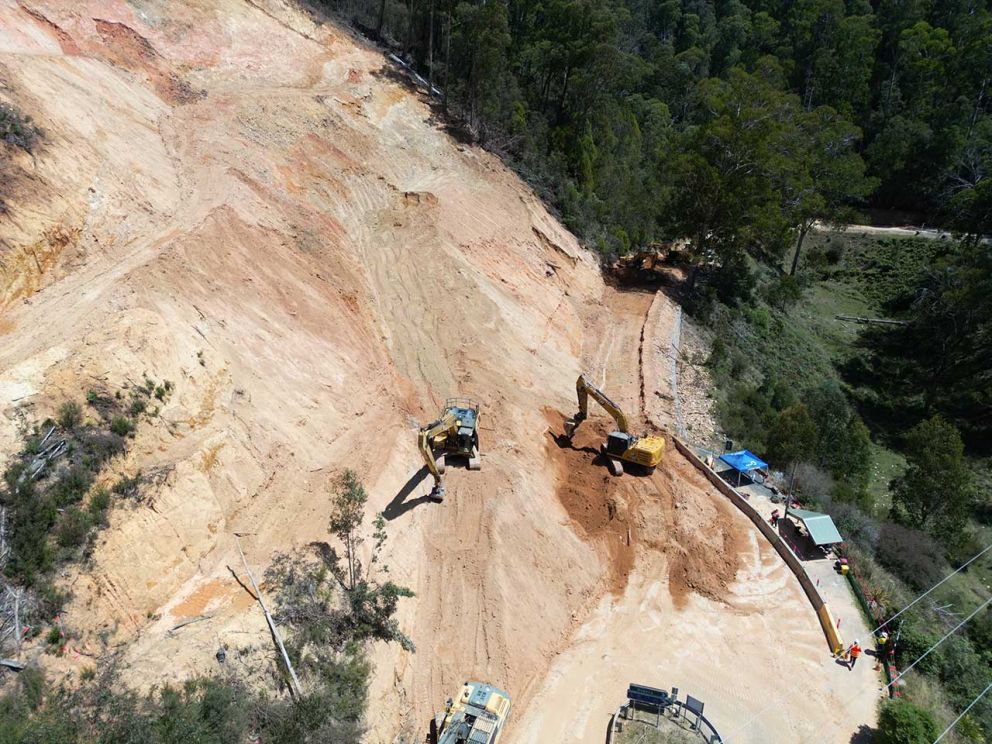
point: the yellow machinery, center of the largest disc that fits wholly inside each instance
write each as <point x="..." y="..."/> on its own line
<point x="455" y="432"/>
<point x="620" y="446"/>
<point x="476" y="717"/>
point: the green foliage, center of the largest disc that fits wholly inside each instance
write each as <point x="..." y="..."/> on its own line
<point x="121" y="426"/>
<point x="901" y="722"/>
<point x="936" y="492"/>
<point x="73" y="528"/>
<point x="793" y="436"/>
<point x="941" y="361"/>
<point x="70" y="415"/>
<point x="347" y="512"/>
<point x="16" y="129"/>
<point x="127" y="485"/>
<point x="137" y="407"/>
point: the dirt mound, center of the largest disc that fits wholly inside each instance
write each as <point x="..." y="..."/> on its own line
<point x="704" y="541"/>
<point x="674" y="511"/>
<point x="600" y="510"/>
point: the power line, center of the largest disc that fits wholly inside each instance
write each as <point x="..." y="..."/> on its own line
<point x="963" y="713"/>
<point x="926" y="653"/>
<point x="753" y="718"/>
<point x="960" y="568"/>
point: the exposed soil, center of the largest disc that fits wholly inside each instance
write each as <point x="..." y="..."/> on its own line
<point x="315" y="266"/>
<point x="601" y="512"/>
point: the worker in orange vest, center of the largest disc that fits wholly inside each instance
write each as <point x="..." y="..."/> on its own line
<point x="853" y="653"/>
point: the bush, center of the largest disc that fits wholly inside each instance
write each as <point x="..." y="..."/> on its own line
<point x="70" y="415"/>
<point x="137" y="407"/>
<point x="16" y="128"/>
<point x="121" y="426"/>
<point x="783" y="293"/>
<point x="911" y="555"/>
<point x="901" y="722"/>
<point x="73" y="528"/>
<point x="127" y="485"/>
<point x="71" y="487"/>
<point x="99" y="503"/>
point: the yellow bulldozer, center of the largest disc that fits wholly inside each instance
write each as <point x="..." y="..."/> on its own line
<point x="476" y="717"/>
<point x="620" y="446"/>
<point x="454" y="433"/>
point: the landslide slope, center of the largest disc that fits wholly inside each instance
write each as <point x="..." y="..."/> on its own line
<point x="255" y="207"/>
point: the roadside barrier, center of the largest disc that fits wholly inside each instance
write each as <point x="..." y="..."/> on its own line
<point x="830" y="630"/>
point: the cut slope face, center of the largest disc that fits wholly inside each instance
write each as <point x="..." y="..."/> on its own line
<point x="264" y="218"/>
<point x="248" y="204"/>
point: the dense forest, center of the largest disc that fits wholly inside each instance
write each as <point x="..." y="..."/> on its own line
<point x="735" y="123"/>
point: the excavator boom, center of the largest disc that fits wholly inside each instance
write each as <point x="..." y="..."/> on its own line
<point x="583" y="390"/>
<point x="425" y="442"/>
<point x="645" y="451"/>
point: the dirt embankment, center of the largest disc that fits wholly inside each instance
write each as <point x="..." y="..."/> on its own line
<point x="257" y="213"/>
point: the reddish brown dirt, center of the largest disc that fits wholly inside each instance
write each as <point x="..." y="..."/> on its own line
<point x="126" y="48"/>
<point x="600" y="510"/>
<point x="706" y="559"/>
<point x="662" y="512"/>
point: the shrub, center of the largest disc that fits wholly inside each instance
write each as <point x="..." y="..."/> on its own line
<point x="121" y="426"/>
<point x="70" y="415"/>
<point x="99" y="503"/>
<point x="71" y="487"/>
<point x="16" y="128"/>
<point x="137" y="407"/>
<point x="127" y="486"/>
<point x="160" y="392"/>
<point x="73" y="528"/>
<point x="911" y="555"/>
<point x="901" y="722"/>
<point x="783" y="293"/>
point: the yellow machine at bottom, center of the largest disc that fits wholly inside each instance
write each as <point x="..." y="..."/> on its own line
<point x="477" y="716"/>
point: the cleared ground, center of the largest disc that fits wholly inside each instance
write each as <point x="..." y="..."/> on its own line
<point x="245" y="201"/>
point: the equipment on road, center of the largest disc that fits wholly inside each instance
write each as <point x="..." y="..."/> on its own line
<point x="455" y="432"/>
<point x="476" y="717"/>
<point x="620" y="446"/>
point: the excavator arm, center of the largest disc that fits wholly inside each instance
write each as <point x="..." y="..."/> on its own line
<point x="584" y="389"/>
<point x="425" y="443"/>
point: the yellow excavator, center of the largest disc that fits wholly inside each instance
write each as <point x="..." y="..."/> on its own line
<point x="621" y="446"/>
<point x="455" y="432"/>
<point x="476" y="717"/>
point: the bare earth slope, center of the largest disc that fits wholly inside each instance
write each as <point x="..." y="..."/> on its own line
<point x="252" y="205"/>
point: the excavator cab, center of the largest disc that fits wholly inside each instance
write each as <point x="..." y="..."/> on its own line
<point x="454" y="433"/>
<point x="477" y="716"/>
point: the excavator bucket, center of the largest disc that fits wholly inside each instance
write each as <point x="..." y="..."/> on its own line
<point x="437" y="493"/>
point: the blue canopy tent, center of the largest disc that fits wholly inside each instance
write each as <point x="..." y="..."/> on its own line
<point x="743" y="461"/>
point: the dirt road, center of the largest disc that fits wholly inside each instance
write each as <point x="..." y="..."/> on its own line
<point x="242" y="199"/>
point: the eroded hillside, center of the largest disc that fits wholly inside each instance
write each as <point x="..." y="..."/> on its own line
<point x="255" y="206"/>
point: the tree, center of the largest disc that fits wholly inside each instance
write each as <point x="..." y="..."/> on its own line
<point x="793" y="436"/>
<point x="347" y="513"/>
<point x="936" y="492"/>
<point x="843" y="443"/>
<point x="831" y="177"/>
<point x="900" y="722"/>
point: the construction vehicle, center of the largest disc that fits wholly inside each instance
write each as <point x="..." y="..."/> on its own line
<point x="455" y="432"/>
<point x="476" y="717"/>
<point x="620" y="446"/>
